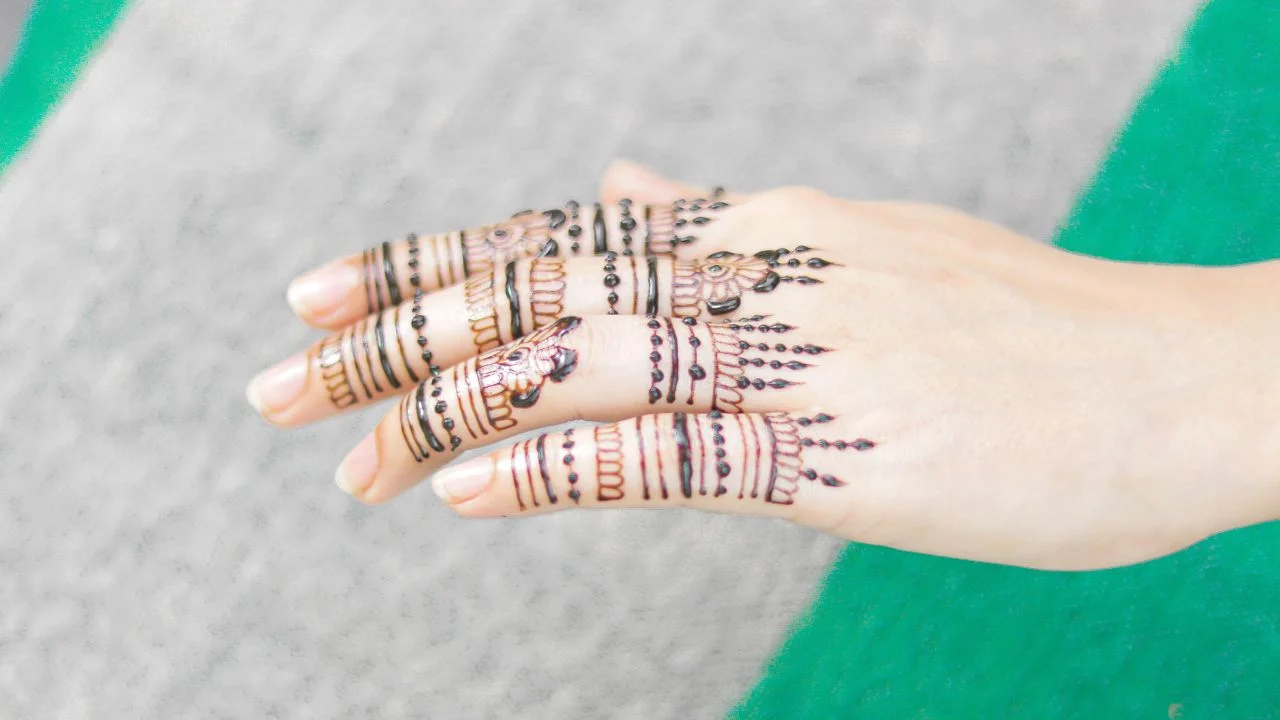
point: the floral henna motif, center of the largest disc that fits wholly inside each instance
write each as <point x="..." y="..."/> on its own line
<point x="667" y="227"/>
<point x="719" y="281"/>
<point x="513" y="376"/>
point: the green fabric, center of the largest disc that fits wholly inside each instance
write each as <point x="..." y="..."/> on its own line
<point x="57" y="39"/>
<point x="1193" y="178"/>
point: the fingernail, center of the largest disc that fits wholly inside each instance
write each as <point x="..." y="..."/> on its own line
<point x="276" y="388"/>
<point x="463" y="482"/>
<point x="356" y="471"/>
<point x="324" y="289"/>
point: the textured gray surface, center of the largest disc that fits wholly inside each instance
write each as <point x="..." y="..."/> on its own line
<point x="165" y="554"/>
<point x="13" y="13"/>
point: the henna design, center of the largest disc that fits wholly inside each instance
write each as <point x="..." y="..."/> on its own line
<point x="513" y="301"/>
<point x="333" y="371"/>
<point x="626" y="223"/>
<point x="611" y="280"/>
<point x="526" y="234"/>
<point x="663" y="225"/>
<point x="655" y="357"/>
<point x="734" y="355"/>
<point x="567" y="459"/>
<point x="546" y="291"/>
<point x="379" y="273"/>
<point x="719" y="280"/>
<point x="482" y="314"/>
<point x="599" y="232"/>
<point x="696" y="371"/>
<point x="651" y="293"/>
<point x="575" y="230"/>
<point x="513" y="376"/>
<point x="768" y="458"/>
<point x="416" y="409"/>
<point x="373" y="299"/>
<point x="608" y="441"/>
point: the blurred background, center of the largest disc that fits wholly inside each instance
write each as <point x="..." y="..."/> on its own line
<point x="163" y="553"/>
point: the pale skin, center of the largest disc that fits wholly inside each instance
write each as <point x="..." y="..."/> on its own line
<point x="993" y="398"/>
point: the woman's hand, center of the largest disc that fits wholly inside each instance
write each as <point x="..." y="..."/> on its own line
<point x="892" y="373"/>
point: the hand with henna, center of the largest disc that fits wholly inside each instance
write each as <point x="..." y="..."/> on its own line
<point x="892" y="373"/>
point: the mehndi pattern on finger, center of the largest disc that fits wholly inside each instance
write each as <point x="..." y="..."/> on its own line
<point x="718" y="281"/>
<point x="512" y="377"/>
<point x="764" y="461"/>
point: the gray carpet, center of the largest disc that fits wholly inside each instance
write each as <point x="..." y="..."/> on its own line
<point x="165" y="554"/>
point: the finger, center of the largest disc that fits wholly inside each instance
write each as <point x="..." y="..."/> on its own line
<point x="773" y="463"/>
<point x="380" y="356"/>
<point x="383" y="276"/>
<point x="602" y="368"/>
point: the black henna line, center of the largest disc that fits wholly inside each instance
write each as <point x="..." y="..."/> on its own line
<point x="608" y="443"/>
<point x="513" y="300"/>
<point x="651" y="297"/>
<point x="599" y="231"/>
<point x="528" y="472"/>
<point x="404" y="355"/>
<point x="415" y="278"/>
<point x="406" y="431"/>
<point x="611" y="280"/>
<point x="380" y="340"/>
<point x="680" y="429"/>
<point x="722" y="466"/>
<point x="389" y="272"/>
<point x="675" y="360"/>
<point x="567" y="446"/>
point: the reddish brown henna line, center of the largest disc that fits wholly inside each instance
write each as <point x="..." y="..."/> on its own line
<point x="609" y="463"/>
<point x="657" y="454"/>
<point x="351" y="350"/>
<point x="515" y="476"/>
<point x="543" y="470"/>
<point x="333" y="371"/>
<point x="462" y="393"/>
<point x="528" y="472"/>
<point x="696" y="439"/>
<point x="635" y="287"/>
<point x="644" y="470"/>
<point x="482" y="313"/>
<point x="365" y="271"/>
<point x="546" y="291"/>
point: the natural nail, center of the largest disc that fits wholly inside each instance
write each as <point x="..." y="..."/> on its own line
<point x="461" y="483"/>
<point x="324" y="289"/>
<point x="356" y="471"/>
<point x="276" y="388"/>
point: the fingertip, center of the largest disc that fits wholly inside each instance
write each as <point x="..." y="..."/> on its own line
<point x="273" y="390"/>
<point x="464" y="482"/>
<point x="319" y="293"/>
<point x="356" y="473"/>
